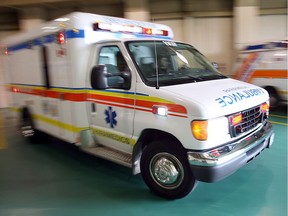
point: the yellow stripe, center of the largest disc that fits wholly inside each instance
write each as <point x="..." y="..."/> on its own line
<point x="71" y="128"/>
<point x="107" y="93"/>
<point x="279" y="116"/>
<point x="43" y="88"/>
<point x="26" y="87"/>
<point x="3" y="144"/>
<point x="59" y="124"/>
<point x="283" y="92"/>
<point x="130" y="96"/>
<point x="62" y="90"/>
<point x="279" y="123"/>
<point x="15" y="109"/>
<point x="74" y="129"/>
<point x="153" y="99"/>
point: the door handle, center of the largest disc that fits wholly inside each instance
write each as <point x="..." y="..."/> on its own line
<point x="62" y="96"/>
<point x="93" y="107"/>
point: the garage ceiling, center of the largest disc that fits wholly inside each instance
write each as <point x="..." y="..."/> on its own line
<point x="13" y="10"/>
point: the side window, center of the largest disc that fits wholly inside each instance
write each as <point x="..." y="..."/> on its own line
<point x="113" y="59"/>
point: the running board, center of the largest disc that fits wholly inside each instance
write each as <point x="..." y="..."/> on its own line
<point x="110" y="154"/>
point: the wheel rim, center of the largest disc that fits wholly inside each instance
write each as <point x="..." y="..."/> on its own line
<point x="166" y="170"/>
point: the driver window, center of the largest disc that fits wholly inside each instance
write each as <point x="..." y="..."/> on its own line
<point x="113" y="59"/>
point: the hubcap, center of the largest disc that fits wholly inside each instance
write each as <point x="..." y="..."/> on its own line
<point x="166" y="170"/>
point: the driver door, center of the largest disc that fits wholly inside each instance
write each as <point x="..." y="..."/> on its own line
<point x="112" y="110"/>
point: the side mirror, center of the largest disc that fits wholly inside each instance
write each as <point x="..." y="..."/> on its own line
<point x="127" y="80"/>
<point x="215" y="65"/>
<point x="98" y="78"/>
<point x="102" y="79"/>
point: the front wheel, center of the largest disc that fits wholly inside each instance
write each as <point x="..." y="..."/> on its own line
<point x="166" y="171"/>
<point x="274" y="97"/>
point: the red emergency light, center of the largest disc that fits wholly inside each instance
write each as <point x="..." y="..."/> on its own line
<point x="147" y="31"/>
<point x="61" y="37"/>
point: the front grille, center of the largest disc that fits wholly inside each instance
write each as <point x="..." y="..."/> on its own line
<point x="250" y="119"/>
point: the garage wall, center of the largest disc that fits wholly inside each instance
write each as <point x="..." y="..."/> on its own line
<point x="273" y="27"/>
<point x="213" y="36"/>
<point x="3" y="95"/>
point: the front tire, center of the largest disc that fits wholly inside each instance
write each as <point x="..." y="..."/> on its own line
<point x="166" y="171"/>
<point x="274" y="97"/>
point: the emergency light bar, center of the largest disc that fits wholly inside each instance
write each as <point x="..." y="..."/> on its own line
<point x="132" y="29"/>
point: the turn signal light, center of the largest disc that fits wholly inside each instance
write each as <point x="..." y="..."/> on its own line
<point x="265" y="107"/>
<point x="236" y="119"/>
<point x="200" y="129"/>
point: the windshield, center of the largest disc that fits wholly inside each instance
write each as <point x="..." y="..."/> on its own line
<point x="169" y="63"/>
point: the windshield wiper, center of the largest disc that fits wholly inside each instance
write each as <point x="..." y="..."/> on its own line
<point x="215" y="76"/>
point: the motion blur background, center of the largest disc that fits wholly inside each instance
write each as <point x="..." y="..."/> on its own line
<point x="217" y="28"/>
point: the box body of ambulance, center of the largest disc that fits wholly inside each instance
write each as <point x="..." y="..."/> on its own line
<point x="125" y="91"/>
<point x="265" y="65"/>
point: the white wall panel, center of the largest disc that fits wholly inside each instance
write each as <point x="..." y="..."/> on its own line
<point x="214" y="39"/>
<point x="272" y="27"/>
<point x="177" y="27"/>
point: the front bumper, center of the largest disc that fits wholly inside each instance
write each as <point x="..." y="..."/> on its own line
<point x="218" y="163"/>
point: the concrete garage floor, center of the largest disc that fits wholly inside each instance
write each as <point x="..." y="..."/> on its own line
<point x="51" y="179"/>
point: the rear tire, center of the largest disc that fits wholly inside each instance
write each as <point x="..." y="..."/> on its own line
<point x="166" y="170"/>
<point x="27" y="127"/>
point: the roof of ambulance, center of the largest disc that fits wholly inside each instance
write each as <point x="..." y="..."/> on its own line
<point x="77" y="20"/>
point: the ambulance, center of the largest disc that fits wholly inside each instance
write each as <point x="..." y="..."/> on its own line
<point x="265" y="65"/>
<point x="125" y="91"/>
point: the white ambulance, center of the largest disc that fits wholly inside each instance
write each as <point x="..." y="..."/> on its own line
<point x="265" y="65"/>
<point x="125" y="91"/>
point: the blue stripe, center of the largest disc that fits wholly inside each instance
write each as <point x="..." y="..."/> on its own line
<point x="255" y="47"/>
<point x="267" y="46"/>
<point x="70" y="34"/>
<point x="115" y="91"/>
<point x="75" y="34"/>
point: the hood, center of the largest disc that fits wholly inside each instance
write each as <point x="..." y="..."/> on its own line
<point x="217" y="97"/>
